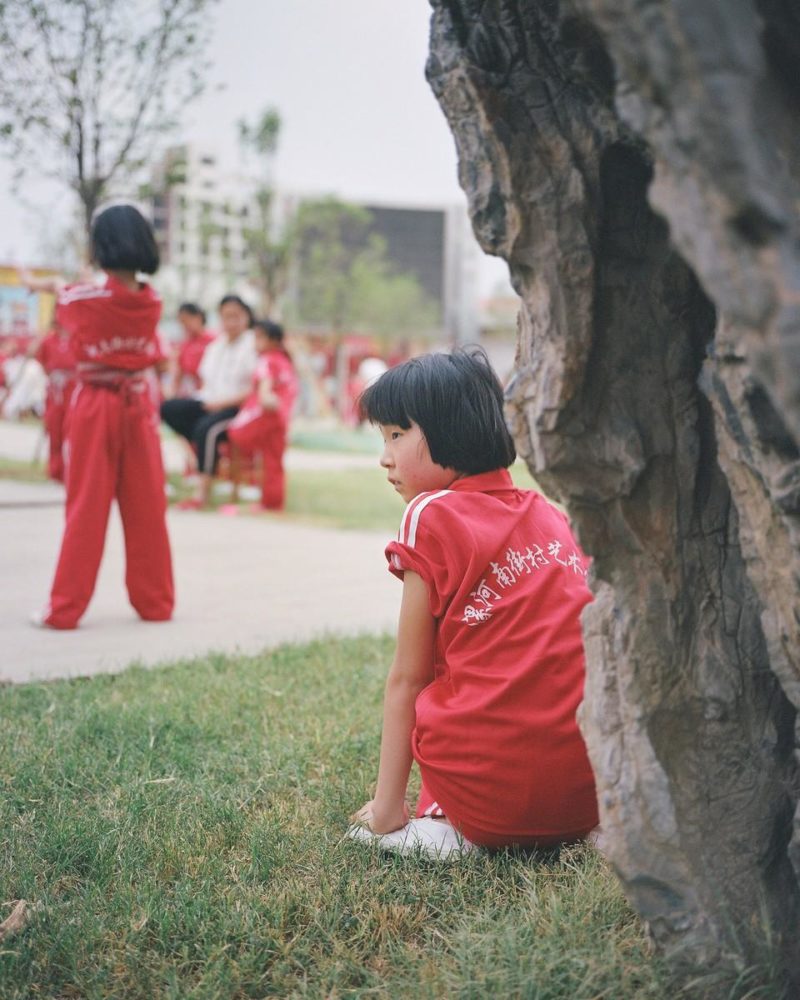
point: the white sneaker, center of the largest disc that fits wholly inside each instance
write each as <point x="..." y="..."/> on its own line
<point x="435" y="838"/>
<point x="37" y="619"/>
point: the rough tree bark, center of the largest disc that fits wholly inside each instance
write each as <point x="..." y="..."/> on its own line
<point x="637" y="163"/>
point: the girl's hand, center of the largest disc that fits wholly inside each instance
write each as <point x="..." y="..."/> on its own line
<point x="382" y="820"/>
<point x="266" y="395"/>
<point x="52" y="284"/>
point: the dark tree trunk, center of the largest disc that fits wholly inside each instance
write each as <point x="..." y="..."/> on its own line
<point x="84" y="241"/>
<point x="657" y="393"/>
<point x="90" y="194"/>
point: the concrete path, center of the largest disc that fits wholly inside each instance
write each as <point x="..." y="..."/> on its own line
<point x="242" y="584"/>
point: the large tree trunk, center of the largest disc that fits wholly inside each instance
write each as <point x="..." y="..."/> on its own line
<point x="657" y="394"/>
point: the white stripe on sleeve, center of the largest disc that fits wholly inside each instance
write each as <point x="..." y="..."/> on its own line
<point x="402" y="531"/>
<point x="78" y="293"/>
<point x="412" y="529"/>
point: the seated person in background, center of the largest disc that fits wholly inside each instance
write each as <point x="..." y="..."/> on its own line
<point x="262" y="424"/>
<point x="55" y="354"/>
<point x="185" y="368"/>
<point x="226" y="371"/>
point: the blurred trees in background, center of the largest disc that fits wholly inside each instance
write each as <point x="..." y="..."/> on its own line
<point x="342" y="282"/>
<point x="342" y="278"/>
<point x="90" y="88"/>
<point x="323" y="266"/>
<point x="268" y="248"/>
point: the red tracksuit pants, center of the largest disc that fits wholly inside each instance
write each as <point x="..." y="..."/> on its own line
<point x="267" y="436"/>
<point x="55" y="414"/>
<point x="113" y="450"/>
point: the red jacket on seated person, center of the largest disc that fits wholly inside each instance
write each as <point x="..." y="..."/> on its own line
<point x="262" y="424"/>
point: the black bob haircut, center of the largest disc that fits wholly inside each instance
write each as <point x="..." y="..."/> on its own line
<point x="237" y="300"/>
<point x="192" y="309"/>
<point x="122" y="240"/>
<point x="457" y="402"/>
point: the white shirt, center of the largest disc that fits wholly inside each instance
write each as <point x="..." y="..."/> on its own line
<point x="227" y="367"/>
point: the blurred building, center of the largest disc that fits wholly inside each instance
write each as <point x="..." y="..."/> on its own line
<point x="437" y="246"/>
<point x="200" y="215"/>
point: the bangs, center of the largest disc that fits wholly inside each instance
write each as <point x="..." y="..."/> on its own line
<point x="386" y="400"/>
<point x="456" y="401"/>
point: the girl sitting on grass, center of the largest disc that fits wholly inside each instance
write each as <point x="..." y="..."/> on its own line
<point x="489" y="666"/>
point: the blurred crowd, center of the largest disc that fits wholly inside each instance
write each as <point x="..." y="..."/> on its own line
<point x="23" y="385"/>
<point x="202" y="383"/>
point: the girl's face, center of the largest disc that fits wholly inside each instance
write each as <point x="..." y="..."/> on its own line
<point x="192" y="323"/>
<point x="263" y="342"/>
<point x="234" y="319"/>
<point x="408" y="462"/>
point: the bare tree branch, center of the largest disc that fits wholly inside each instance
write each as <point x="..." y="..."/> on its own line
<point x="89" y="88"/>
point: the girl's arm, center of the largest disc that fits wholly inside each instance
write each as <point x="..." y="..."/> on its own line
<point x="266" y="394"/>
<point x="411" y="671"/>
<point x="52" y="284"/>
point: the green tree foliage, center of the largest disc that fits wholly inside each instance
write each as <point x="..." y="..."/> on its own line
<point x="263" y="135"/>
<point x="343" y="279"/>
<point x="89" y="88"/>
<point x="269" y="252"/>
<point x="385" y="302"/>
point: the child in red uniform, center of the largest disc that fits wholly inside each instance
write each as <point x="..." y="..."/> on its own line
<point x="186" y="368"/>
<point x="489" y="667"/>
<point x="54" y="353"/>
<point x="113" y="447"/>
<point x="262" y="423"/>
<point x="184" y="380"/>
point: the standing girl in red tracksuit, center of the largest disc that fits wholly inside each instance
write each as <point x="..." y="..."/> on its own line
<point x="55" y="354"/>
<point x="113" y="447"/>
<point x="262" y="424"/>
<point x="488" y="670"/>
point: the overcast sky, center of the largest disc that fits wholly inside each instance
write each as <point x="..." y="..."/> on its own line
<point x="347" y="77"/>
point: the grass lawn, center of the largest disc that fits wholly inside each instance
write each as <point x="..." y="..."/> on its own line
<point x="28" y="472"/>
<point x="356" y="498"/>
<point x="359" y="499"/>
<point x="178" y="833"/>
<point x="352" y="499"/>
<point x="364" y="440"/>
